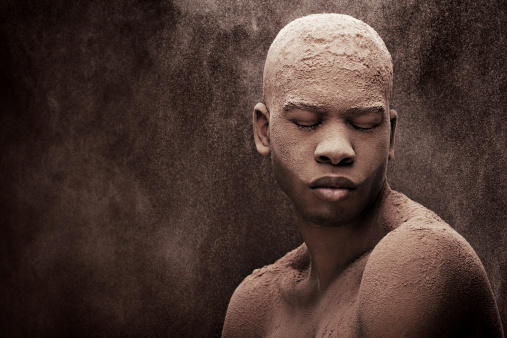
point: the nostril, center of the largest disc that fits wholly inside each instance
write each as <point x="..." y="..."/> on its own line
<point x="324" y="159"/>
<point x="343" y="161"/>
<point x="346" y="161"/>
<point x="337" y="152"/>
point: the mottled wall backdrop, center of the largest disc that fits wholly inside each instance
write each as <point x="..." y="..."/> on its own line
<point x="132" y="199"/>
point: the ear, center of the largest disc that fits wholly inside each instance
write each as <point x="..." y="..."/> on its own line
<point x="261" y="128"/>
<point x="393" y="117"/>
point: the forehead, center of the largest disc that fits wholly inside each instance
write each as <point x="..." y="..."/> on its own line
<point x="327" y="56"/>
<point x="333" y="87"/>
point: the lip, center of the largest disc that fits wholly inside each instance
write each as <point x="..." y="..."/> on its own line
<point x="333" y="188"/>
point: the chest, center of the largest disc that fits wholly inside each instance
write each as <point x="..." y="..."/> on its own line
<point x="333" y="315"/>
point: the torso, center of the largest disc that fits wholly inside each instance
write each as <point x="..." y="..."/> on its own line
<point x="331" y="314"/>
<point x="334" y="312"/>
<point x="279" y="300"/>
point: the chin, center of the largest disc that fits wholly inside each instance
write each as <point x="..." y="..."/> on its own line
<point x="328" y="218"/>
<point x="351" y="211"/>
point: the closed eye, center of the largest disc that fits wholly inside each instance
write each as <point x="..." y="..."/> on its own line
<point x="363" y="128"/>
<point x="308" y="127"/>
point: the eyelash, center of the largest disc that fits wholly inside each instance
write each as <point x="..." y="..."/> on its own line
<point x="363" y="129"/>
<point x="307" y="128"/>
<point x="314" y="126"/>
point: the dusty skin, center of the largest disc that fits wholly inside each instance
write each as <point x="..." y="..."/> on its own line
<point x="374" y="263"/>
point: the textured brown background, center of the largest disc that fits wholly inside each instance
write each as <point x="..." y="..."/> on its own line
<point x="132" y="200"/>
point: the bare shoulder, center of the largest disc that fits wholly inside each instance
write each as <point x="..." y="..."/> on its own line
<point x="253" y="301"/>
<point x="424" y="279"/>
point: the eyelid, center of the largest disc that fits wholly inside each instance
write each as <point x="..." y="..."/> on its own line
<point x="364" y="129"/>
<point x="369" y="122"/>
<point x="304" y="120"/>
<point x="307" y="127"/>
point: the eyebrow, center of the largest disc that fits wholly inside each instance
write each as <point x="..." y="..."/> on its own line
<point x="318" y="109"/>
<point x="376" y="109"/>
<point x="321" y="109"/>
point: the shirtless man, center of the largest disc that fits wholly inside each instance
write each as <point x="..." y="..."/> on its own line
<point x="373" y="263"/>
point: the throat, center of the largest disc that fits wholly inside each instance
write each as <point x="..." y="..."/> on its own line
<point x="329" y="263"/>
<point x="333" y="249"/>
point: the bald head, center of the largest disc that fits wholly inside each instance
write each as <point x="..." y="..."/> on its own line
<point x="326" y="45"/>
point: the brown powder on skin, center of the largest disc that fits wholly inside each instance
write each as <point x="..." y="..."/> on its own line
<point x="319" y="42"/>
<point x="421" y="253"/>
<point x="407" y="273"/>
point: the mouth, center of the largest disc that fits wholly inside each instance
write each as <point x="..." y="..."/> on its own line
<point x="332" y="188"/>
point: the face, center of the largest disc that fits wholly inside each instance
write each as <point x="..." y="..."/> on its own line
<point x="329" y="137"/>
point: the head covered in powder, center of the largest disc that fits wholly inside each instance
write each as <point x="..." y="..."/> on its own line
<point x="327" y="126"/>
<point x="327" y="43"/>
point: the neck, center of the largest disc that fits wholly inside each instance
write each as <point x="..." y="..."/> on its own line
<point x="333" y="249"/>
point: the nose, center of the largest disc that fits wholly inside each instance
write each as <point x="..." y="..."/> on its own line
<point x="335" y="148"/>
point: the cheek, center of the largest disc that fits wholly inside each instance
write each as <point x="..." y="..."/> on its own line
<point x="373" y="151"/>
<point x="289" y="155"/>
<point x="285" y="143"/>
<point x="381" y="147"/>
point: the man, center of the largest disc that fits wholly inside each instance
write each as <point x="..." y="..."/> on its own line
<point x="374" y="263"/>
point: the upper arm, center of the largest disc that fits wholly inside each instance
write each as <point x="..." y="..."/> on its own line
<point x="423" y="282"/>
<point x="247" y="311"/>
